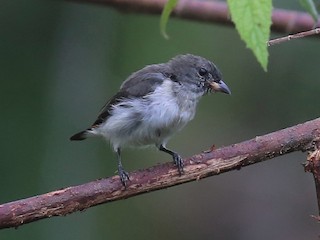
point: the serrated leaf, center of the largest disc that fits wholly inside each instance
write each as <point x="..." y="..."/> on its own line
<point x="170" y="5"/>
<point x="253" y="20"/>
<point x="311" y="8"/>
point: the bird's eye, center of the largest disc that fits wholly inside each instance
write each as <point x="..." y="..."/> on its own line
<point x="202" y="71"/>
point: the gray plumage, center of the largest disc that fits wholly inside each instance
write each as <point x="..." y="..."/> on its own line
<point x="154" y="103"/>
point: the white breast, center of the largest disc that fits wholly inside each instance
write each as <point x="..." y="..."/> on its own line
<point x="151" y="120"/>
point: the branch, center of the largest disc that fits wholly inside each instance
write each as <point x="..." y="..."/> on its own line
<point x="209" y="11"/>
<point x="209" y="163"/>
<point x="313" y="166"/>
<point x="294" y="36"/>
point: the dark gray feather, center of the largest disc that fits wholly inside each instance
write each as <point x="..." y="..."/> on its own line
<point x="137" y="85"/>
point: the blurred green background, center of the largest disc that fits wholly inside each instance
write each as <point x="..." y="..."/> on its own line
<point x="60" y="62"/>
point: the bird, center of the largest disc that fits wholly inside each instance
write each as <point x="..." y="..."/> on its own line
<point x="154" y="103"/>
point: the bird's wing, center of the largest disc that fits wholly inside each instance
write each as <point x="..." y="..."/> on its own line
<point x="136" y="86"/>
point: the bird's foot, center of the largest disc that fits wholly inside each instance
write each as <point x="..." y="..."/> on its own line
<point x="124" y="176"/>
<point x="177" y="160"/>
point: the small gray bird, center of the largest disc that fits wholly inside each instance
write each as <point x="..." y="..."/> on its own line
<point x="154" y="103"/>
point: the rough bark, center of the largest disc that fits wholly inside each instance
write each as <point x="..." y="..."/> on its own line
<point x="212" y="162"/>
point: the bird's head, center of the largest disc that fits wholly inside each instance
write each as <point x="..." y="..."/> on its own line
<point x="199" y="74"/>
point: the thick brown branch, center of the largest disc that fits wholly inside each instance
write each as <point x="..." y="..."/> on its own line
<point x="213" y="162"/>
<point x="210" y="11"/>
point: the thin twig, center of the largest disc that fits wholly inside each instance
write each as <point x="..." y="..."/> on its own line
<point x="293" y="36"/>
<point x="208" y="163"/>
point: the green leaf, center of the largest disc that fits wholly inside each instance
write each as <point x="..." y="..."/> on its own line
<point x="170" y="5"/>
<point x="311" y="8"/>
<point x="253" y="20"/>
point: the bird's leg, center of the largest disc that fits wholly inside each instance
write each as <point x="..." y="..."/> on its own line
<point x="124" y="176"/>
<point x="176" y="158"/>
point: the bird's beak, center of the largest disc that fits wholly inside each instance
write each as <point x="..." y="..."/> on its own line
<point x="220" y="87"/>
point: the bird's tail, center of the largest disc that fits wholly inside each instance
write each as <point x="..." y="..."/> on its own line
<point x="79" y="136"/>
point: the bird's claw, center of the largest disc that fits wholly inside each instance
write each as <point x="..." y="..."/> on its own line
<point x="124" y="176"/>
<point x="178" y="162"/>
